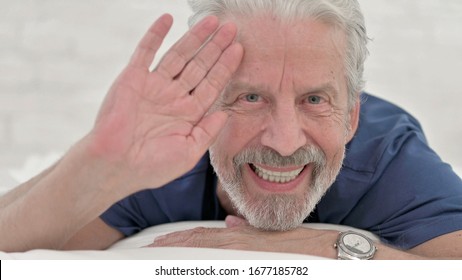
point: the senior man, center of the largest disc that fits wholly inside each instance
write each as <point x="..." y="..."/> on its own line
<point x="274" y="95"/>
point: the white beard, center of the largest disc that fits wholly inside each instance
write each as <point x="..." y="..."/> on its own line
<point x="276" y="212"/>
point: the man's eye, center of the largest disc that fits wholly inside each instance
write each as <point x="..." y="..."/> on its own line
<point x="252" y="97"/>
<point x="314" y="99"/>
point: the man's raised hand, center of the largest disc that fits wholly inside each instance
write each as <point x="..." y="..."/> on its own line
<point x="153" y="125"/>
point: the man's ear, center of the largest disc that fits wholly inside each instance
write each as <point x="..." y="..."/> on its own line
<point x="354" y="120"/>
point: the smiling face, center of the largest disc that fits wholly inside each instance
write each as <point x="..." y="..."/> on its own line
<point x="284" y="142"/>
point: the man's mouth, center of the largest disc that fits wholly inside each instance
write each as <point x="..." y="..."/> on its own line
<point x="276" y="176"/>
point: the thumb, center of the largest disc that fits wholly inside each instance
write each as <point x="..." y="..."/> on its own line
<point x="234" y="221"/>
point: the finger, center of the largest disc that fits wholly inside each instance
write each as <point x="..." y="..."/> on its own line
<point x="151" y="41"/>
<point x="219" y="76"/>
<point x="234" y="221"/>
<point x="184" y="50"/>
<point x="197" y="68"/>
<point x="182" y="238"/>
<point x="166" y="240"/>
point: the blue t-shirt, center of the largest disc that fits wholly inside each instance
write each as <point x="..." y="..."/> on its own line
<point x="391" y="184"/>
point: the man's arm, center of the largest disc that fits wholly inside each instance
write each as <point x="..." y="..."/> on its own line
<point x="96" y="235"/>
<point x="314" y="242"/>
<point x="447" y="246"/>
<point x="65" y="199"/>
<point x="152" y="128"/>
<point x="22" y="189"/>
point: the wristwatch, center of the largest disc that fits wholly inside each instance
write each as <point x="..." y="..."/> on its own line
<point x="354" y="246"/>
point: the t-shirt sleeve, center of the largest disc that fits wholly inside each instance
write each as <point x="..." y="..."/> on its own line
<point x="180" y="200"/>
<point x="128" y="215"/>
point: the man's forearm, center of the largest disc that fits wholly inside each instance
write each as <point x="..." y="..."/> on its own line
<point x="22" y="189"/>
<point x="46" y="211"/>
<point x="306" y="241"/>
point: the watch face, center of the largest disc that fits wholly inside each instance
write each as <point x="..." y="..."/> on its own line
<point x="356" y="243"/>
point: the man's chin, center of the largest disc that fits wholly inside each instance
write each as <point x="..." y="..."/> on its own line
<point x="276" y="226"/>
<point x="277" y="212"/>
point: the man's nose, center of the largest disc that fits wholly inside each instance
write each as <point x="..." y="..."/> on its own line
<point x="284" y="132"/>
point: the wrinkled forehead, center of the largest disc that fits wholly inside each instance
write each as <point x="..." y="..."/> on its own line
<point x="268" y="33"/>
<point x="305" y="47"/>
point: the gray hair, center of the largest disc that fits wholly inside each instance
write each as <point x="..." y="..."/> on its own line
<point x="345" y="14"/>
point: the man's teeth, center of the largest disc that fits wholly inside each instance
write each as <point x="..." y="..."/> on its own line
<point x="275" y="176"/>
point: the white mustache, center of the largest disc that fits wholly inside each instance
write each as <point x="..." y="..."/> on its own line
<point x="267" y="156"/>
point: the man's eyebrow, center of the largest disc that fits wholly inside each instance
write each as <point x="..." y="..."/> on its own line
<point x="240" y="87"/>
<point x="328" y="88"/>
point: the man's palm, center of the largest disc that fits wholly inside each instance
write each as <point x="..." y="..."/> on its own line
<point x="154" y="124"/>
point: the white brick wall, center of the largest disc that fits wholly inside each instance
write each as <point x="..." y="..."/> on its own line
<point x="57" y="59"/>
<point x="416" y="61"/>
